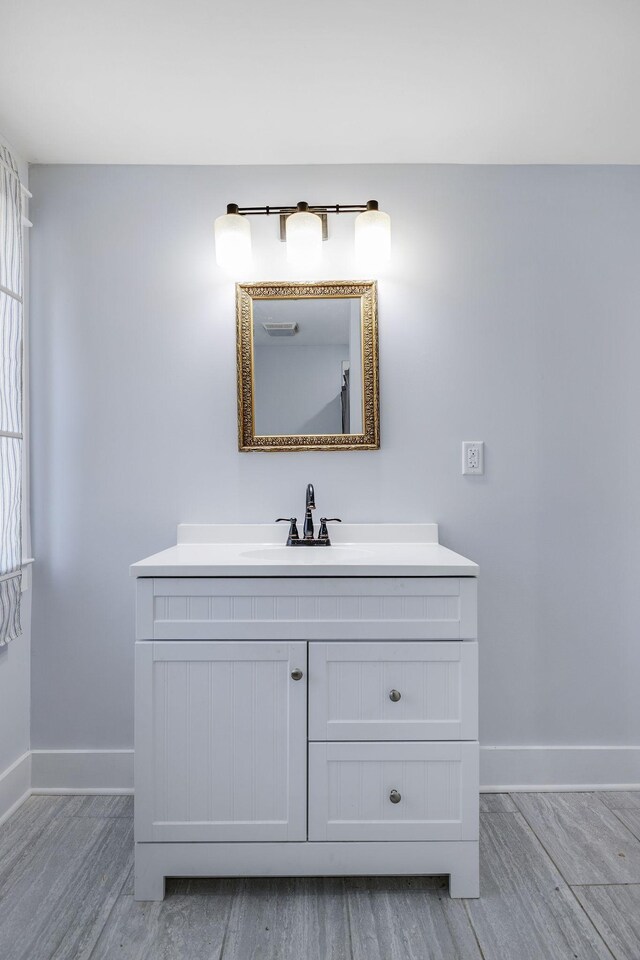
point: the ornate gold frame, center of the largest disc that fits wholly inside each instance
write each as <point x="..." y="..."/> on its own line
<point x="246" y="293"/>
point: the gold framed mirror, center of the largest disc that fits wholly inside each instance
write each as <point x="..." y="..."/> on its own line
<point x="307" y="356"/>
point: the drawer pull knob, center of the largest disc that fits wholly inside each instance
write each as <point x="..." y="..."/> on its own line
<point x="395" y="695"/>
<point x="395" y="797"/>
<point x="296" y="674"/>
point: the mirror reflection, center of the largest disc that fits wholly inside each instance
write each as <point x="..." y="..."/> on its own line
<point x="307" y="366"/>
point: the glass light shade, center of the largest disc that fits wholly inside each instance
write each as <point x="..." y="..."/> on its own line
<point x="304" y="239"/>
<point x="373" y="238"/>
<point x="233" y="243"/>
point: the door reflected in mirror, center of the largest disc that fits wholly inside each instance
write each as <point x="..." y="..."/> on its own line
<point x="307" y="366"/>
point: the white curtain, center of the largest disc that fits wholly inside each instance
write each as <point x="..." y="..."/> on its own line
<point x="11" y="300"/>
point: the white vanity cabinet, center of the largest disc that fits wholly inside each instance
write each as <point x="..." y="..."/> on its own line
<point x="305" y="725"/>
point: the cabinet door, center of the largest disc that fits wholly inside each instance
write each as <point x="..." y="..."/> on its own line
<point x="221" y="731"/>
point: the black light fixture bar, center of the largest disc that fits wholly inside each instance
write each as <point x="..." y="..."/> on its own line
<point x="281" y="210"/>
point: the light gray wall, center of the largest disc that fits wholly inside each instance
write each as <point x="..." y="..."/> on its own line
<point x="15" y="658"/>
<point x="297" y="389"/>
<point x="510" y="314"/>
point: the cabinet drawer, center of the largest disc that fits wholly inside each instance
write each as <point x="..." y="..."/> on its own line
<point x="306" y="608"/>
<point x="351" y="786"/>
<point x="393" y="691"/>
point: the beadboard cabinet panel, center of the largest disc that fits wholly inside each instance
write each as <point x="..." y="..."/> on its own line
<point x="393" y="691"/>
<point x="307" y="608"/>
<point x="352" y="788"/>
<point x="221" y="731"/>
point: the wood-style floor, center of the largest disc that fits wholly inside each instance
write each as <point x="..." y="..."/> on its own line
<point x="560" y="879"/>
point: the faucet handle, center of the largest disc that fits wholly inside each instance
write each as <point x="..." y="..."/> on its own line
<point x="293" y="529"/>
<point x="323" y="533"/>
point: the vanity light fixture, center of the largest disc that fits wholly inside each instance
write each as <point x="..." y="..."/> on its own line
<point x="303" y="227"/>
<point x="304" y="237"/>
<point x="373" y="236"/>
<point x="233" y="241"/>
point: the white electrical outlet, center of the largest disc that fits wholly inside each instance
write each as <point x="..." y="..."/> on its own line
<point x="473" y="456"/>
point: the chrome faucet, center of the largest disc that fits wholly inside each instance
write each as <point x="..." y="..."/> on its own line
<point x="308" y="539"/>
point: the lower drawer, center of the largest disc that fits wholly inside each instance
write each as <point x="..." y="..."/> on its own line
<point x="393" y="791"/>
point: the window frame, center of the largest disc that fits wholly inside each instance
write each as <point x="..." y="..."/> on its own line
<point x="25" y="512"/>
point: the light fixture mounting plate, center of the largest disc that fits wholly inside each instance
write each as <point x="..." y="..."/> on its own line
<point x="283" y="224"/>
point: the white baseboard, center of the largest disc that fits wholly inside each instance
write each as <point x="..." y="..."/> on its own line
<point x="82" y="771"/>
<point x="15" y="785"/>
<point x="559" y="768"/>
<point x="532" y="768"/>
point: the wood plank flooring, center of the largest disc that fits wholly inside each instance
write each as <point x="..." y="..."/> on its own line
<point x="560" y="878"/>
<point x="588" y="841"/>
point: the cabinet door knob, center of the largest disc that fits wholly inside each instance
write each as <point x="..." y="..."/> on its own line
<point x="296" y="674"/>
<point x="395" y="797"/>
<point x="395" y="695"/>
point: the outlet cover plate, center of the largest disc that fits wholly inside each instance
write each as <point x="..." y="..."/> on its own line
<point x="473" y="457"/>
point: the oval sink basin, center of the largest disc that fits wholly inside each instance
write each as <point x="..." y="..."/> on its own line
<point x="274" y="553"/>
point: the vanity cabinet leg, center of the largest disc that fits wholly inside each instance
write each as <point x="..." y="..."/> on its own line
<point x="148" y="879"/>
<point x="464" y="879"/>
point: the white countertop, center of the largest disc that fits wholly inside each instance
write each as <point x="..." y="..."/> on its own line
<point x="258" y="550"/>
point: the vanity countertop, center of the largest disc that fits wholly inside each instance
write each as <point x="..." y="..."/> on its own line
<point x="258" y="550"/>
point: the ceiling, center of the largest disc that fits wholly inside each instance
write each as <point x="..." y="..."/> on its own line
<point x="338" y="81"/>
<point x="320" y="322"/>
